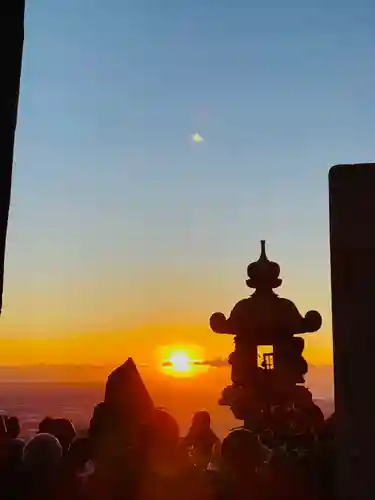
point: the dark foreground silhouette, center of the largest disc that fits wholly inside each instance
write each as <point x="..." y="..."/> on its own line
<point x="156" y="463"/>
<point x="129" y="456"/>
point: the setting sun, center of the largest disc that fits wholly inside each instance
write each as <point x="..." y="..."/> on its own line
<point x="181" y="361"/>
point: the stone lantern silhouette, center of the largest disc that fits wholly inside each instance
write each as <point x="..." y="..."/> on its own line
<point x="265" y="394"/>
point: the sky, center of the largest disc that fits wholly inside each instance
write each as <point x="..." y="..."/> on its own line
<point x="124" y="234"/>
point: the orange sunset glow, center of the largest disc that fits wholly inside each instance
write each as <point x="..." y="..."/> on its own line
<point x="102" y="315"/>
<point x="185" y="361"/>
<point x="171" y="250"/>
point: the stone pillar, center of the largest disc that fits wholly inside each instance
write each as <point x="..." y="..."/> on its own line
<point x="352" y="242"/>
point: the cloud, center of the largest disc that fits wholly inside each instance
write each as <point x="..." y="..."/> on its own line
<point x="215" y="363"/>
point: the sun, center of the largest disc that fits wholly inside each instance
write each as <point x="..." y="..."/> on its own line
<point x="181" y="361"/>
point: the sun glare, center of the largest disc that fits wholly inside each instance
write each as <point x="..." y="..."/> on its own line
<point x="181" y="361"/>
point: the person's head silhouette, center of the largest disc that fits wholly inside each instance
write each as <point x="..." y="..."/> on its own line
<point x="242" y="453"/>
<point x="42" y="452"/>
<point x="201" y="420"/>
<point x="80" y="452"/>
<point x="164" y="430"/>
<point x="13" y="427"/>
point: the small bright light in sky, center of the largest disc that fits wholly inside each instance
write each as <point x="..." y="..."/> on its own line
<point x="197" y="138"/>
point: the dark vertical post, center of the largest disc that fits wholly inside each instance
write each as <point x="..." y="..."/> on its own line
<point x="352" y="241"/>
<point x="11" y="43"/>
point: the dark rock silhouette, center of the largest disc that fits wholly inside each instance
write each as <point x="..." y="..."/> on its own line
<point x="126" y="410"/>
<point x="126" y="395"/>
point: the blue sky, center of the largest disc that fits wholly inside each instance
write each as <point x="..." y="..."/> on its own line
<point x="108" y="186"/>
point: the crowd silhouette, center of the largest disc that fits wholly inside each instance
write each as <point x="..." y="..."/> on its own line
<point x="155" y="463"/>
